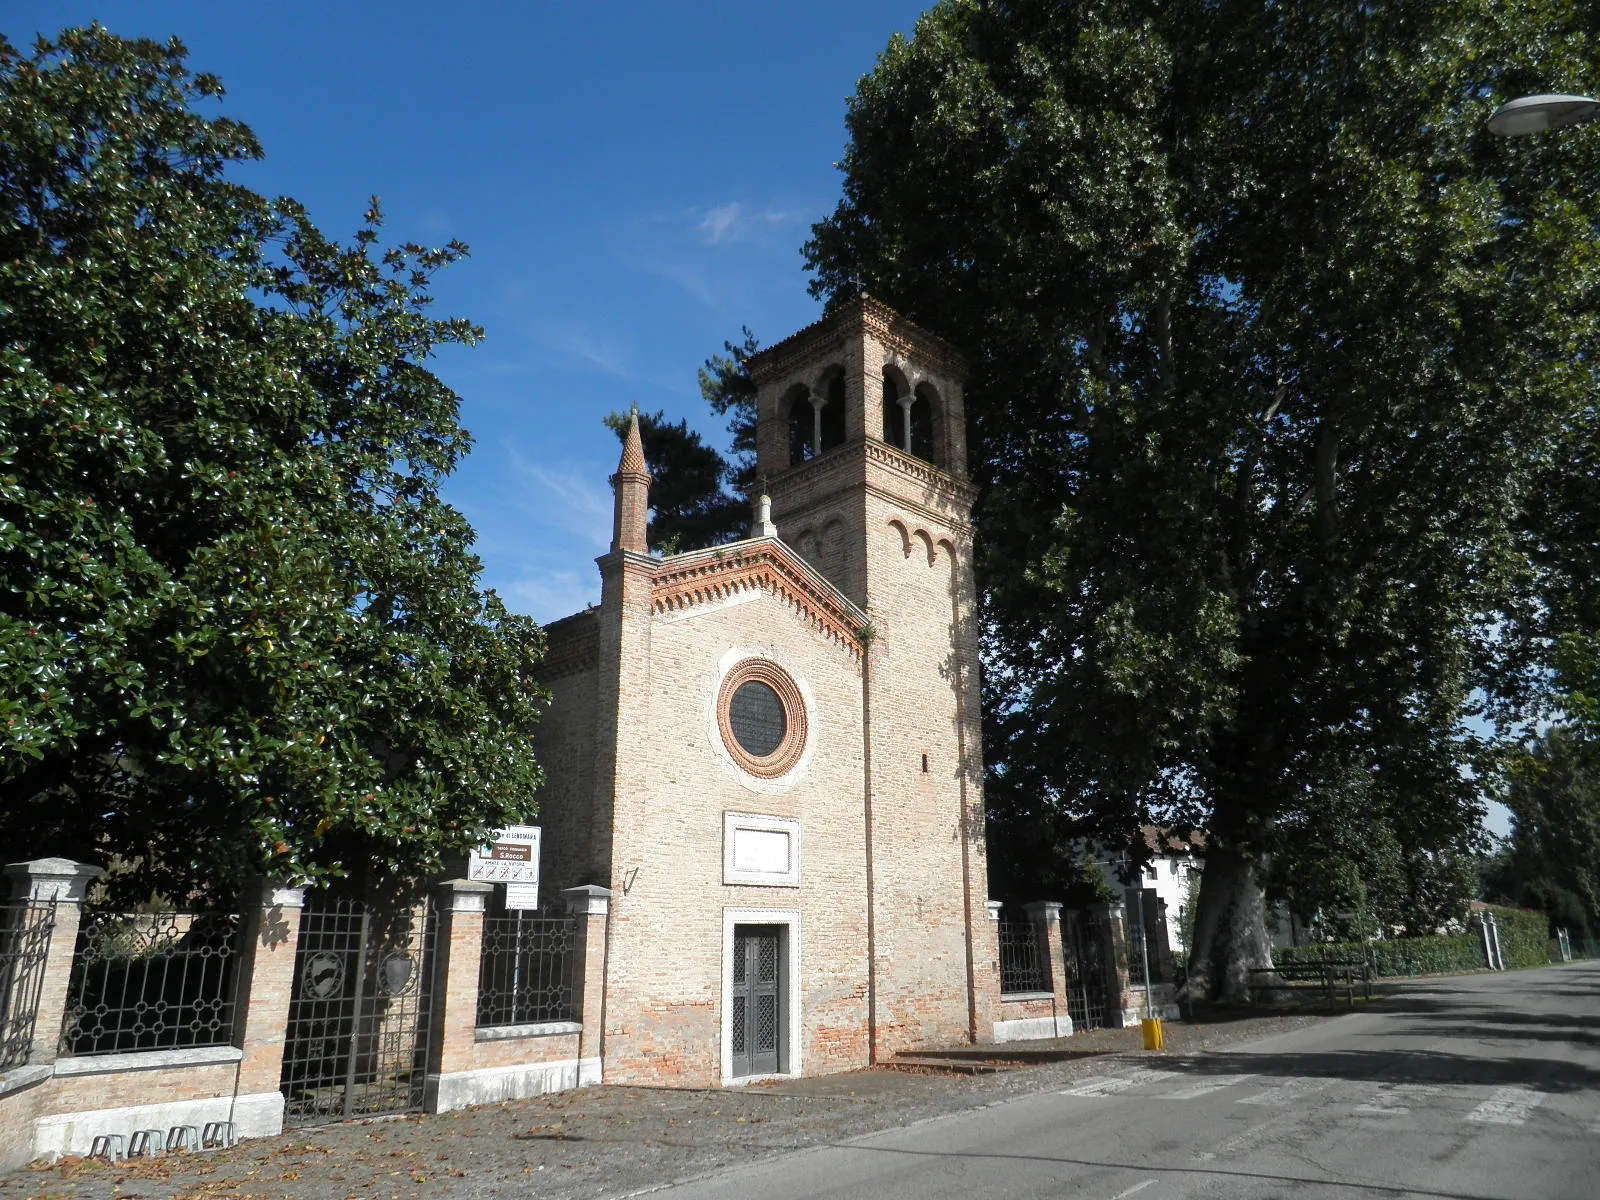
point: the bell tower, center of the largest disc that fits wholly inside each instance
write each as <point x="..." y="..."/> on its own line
<point x="861" y="438"/>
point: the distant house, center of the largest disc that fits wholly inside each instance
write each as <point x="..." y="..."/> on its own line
<point x="1174" y="861"/>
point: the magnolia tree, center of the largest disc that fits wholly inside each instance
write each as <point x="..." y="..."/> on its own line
<point x="240" y="632"/>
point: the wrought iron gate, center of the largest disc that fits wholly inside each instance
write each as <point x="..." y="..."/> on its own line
<point x="357" y="1037"/>
<point x="1085" y="949"/>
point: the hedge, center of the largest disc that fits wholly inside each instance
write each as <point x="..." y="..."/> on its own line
<point x="1397" y="956"/>
<point x="1524" y="941"/>
<point x="1524" y="936"/>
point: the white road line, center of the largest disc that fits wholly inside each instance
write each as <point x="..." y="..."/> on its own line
<point x="1248" y="1138"/>
<point x="1287" y="1092"/>
<point x="1110" y="1085"/>
<point x="1396" y="1099"/>
<point x="1507" y="1106"/>
<point x="1205" y="1087"/>
<point x="1138" y="1187"/>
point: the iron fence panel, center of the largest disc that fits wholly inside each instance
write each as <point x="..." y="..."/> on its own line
<point x="1083" y="946"/>
<point x="1021" y="965"/>
<point x="151" y="981"/>
<point x="25" y="931"/>
<point x="528" y="970"/>
<point x="356" y="1041"/>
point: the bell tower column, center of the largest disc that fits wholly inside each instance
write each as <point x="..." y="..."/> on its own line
<point x="893" y="531"/>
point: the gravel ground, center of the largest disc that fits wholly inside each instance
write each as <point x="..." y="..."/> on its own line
<point x="607" y="1141"/>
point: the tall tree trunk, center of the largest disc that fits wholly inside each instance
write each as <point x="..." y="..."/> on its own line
<point x="1230" y="933"/>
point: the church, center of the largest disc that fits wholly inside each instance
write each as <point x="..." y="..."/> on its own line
<point x="769" y="750"/>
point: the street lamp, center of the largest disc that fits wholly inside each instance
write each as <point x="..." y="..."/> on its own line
<point x="1536" y="114"/>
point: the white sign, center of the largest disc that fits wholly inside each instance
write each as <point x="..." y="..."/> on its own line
<point x="521" y="895"/>
<point x="511" y="856"/>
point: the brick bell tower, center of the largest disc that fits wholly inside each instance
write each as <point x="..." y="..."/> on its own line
<point x="861" y="441"/>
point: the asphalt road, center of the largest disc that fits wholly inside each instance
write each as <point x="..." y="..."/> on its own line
<point x="1483" y="1087"/>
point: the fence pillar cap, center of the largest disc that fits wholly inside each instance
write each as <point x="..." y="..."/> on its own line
<point x="994" y="907"/>
<point x="52" y="879"/>
<point x="466" y="895"/>
<point x="1047" y="910"/>
<point x="589" y="899"/>
<point x="277" y="894"/>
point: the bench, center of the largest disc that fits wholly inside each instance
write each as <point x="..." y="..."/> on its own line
<point x="1332" y="974"/>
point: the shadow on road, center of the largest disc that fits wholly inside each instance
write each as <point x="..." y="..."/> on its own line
<point x="1401" y="1066"/>
<point x="1186" y="1171"/>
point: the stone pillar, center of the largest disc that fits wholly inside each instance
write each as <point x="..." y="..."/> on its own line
<point x="55" y="888"/>
<point x="1116" y="956"/>
<point x="268" y="937"/>
<point x="1046" y="918"/>
<point x="591" y="906"/>
<point x="456" y="964"/>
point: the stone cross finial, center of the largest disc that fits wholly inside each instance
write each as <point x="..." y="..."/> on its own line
<point x="763" y="526"/>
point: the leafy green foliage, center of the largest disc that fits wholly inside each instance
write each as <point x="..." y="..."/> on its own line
<point x="1280" y="360"/>
<point x="1434" y="954"/>
<point x="726" y="385"/>
<point x="1553" y="860"/>
<point x="240" y="632"/>
<point x="1524" y="936"/>
<point x="690" y="509"/>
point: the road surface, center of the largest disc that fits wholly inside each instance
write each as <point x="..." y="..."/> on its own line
<point x="1479" y="1087"/>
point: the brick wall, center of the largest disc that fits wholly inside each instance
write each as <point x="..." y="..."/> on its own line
<point x="665" y="979"/>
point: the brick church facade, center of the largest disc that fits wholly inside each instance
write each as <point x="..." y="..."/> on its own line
<point x="769" y="750"/>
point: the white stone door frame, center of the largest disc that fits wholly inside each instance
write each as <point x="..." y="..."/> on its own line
<point x="790" y="918"/>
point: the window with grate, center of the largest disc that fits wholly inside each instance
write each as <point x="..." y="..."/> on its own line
<point x="757" y="718"/>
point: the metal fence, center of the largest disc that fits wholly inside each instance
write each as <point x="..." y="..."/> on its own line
<point x="25" y="931"/>
<point x="1084" y="941"/>
<point x="1021" y="964"/>
<point x="151" y="981"/>
<point x="528" y="971"/>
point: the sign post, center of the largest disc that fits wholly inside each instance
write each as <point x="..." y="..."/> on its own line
<point x="511" y="857"/>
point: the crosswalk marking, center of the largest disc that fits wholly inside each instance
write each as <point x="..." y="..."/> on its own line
<point x="1507" y="1106"/>
<point x="1110" y="1085"/>
<point x="1287" y="1092"/>
<point x="1395" y="1099"/>
<point x="1205" y="1087"/>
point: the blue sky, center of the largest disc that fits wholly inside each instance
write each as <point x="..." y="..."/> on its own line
<point x="635" y="181"/>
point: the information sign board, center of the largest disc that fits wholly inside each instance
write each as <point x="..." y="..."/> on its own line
<point x="511" y="857"/>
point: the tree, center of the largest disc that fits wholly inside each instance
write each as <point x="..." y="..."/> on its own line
<point x="1553" y="860"/>
<point x="726" y="385"/>
<point x="690" y="508"/>
<point x="240" y="632"/>
<point x="1274" y="347"/>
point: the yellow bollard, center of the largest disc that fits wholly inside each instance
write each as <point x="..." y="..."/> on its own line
<point x="1155" y="1037"/>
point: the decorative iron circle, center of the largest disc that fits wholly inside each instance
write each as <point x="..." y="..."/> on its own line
<point x="323" y="975"/>
<point x="770" y="681"/>
<point x="397" y="973"/>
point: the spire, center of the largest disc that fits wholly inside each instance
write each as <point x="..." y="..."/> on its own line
<point x="632" y="483"/>
<point x="633" y="448"/>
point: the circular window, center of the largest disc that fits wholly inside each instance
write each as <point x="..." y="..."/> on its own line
<point x="762" y="717"/>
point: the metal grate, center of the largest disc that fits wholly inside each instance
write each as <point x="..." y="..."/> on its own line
<point x="1020" y="967"/>
<point x="151" y="981"/>
<point x="756" y="715"/>
<point x="1084" y="948"/>
<point x="356" y="1039"/>
<point x="25" y="931"/>
<point x="528" y="970"/>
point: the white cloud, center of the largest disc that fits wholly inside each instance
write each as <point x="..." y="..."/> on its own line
<point x="551" y="595"/>
<point x="573" y="342"/>
<point x="733" y="223"/>
<point x="575" y="499"/>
